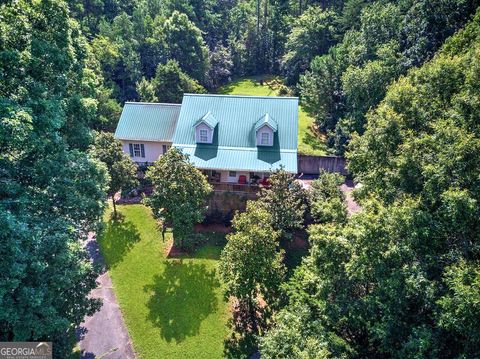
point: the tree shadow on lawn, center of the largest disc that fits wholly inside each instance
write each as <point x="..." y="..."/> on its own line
<point x="181" y="298"/>
<point x="117" y="238"/>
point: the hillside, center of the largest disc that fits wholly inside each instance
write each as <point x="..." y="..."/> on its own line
<point x="310" y="141"/>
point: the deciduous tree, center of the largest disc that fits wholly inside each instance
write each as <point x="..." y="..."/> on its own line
<point x="251" y="263"/>
<point x="179" y="195"/>
<point x="327" y="201"/>
<point x="286" y="201"/>
<point x="121" y="169"/>
<point x="186" y="45"/>
<point x="51" y="192"/>
<point x="170" y="83"/>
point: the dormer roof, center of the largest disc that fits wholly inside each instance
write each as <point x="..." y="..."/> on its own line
<point x="266" y="120"/>
<point x="207" y="119"/>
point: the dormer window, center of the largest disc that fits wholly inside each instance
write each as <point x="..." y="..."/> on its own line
<point x="265" y="129"/>
<point x="265" y="139"/>
<point x="205" y="128"/>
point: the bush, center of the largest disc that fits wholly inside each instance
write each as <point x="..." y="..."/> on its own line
<point x="194" y="241"/>
<point x="283" y="90"/>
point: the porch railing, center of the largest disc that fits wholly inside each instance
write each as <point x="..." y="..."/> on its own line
<point x="235" y="187"/>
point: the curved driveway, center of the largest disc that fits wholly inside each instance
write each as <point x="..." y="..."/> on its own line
<point x="104" y="334"/>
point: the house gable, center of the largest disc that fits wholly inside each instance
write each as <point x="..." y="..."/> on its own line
<point x="234" y="141"/>
<point x="203" y="133"/>
<point x="205" y="128"/>
<point x="265" y="136"/>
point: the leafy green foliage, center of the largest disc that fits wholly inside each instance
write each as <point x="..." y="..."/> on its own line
<point x="251" y="263"/>
<point x="185" y="44"/>
<point x="458" y="309"/>
<point x="296" y="335"/>
<point x="400" y="278"/>
<point x="51" y="192"/>
<point x="286" y="202"/>
<point x="179" y="195"/>
<point x="170" y="83"/>
<point x="340" y="87"/>
<point x="327" y="201"/>
<point x="121" y="169"/>
<point x="312" y="34"/>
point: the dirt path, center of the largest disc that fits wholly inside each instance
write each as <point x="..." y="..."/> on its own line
<point x="104" y="334"/>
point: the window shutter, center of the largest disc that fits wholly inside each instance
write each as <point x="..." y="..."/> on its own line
<point x="142" y="148"/>
<point x="130" y="146"/>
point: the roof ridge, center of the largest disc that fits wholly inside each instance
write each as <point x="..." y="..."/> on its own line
<point x="152" y="103"/>
<point x="244" y="96"/>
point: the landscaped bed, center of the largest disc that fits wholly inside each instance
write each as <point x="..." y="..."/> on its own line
<point x="173" y="308"/>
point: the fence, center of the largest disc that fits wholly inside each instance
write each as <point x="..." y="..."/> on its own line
<point x="312" y="165"/>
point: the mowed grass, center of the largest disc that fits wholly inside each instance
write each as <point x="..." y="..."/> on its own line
<point x="173" y="308"/>
<point x="310" y="142"/>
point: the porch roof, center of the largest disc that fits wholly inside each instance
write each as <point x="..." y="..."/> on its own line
<point x="240" y="159"/>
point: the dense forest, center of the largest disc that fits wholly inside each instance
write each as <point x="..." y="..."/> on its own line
<point x="401" y="279"/>
<point x="338" y="56"/>
<point x="387" y="83"/>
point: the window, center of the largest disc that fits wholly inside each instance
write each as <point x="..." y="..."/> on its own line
<point x="203" y="136"/>
<point x="232" y="174"/>
<point x="136" y="149"/>
<point x="165" y="149"/>
<point x="265" y="140"/>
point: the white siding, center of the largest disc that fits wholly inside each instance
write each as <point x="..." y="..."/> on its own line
<point x="203" y="126"/>
<point x="153" y="150"/>
<point x="264" y="129"/>
<point x="226" y="178"/>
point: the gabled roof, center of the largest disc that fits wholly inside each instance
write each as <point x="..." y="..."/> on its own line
<point x="148" y="121"/>
<point x="207" y="119"/>
<point x="234" y="143"/>
<point x="266" y="120"/>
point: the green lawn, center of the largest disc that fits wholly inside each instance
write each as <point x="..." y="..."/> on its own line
<point x="173" y="308"/>
<point x="309" y="142"/>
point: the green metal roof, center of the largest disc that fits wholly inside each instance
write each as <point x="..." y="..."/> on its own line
<point x="240" y="159"/>
<point x="266" y="120"/>
<point x="148" y="121"/>
<point x="208" y="119"/>
<point x="234" y="139"/>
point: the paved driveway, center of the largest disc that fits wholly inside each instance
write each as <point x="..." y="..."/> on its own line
<point x="104" y="335"/>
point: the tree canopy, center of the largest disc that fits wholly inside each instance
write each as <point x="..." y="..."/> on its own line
<point x="338" y="56"/>
<point x="179" y="195"/>
<point x="400" y="278"/>
<point x="121" y="169"/>
<point x="285" y="200"/>
<point x="51" y="192"/>
<point x="251" y="264"/>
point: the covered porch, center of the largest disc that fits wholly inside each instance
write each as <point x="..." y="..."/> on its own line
<point x="236" y="181"/>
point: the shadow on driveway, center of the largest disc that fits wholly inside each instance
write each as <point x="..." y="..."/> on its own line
<point x="104" y="334"/>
